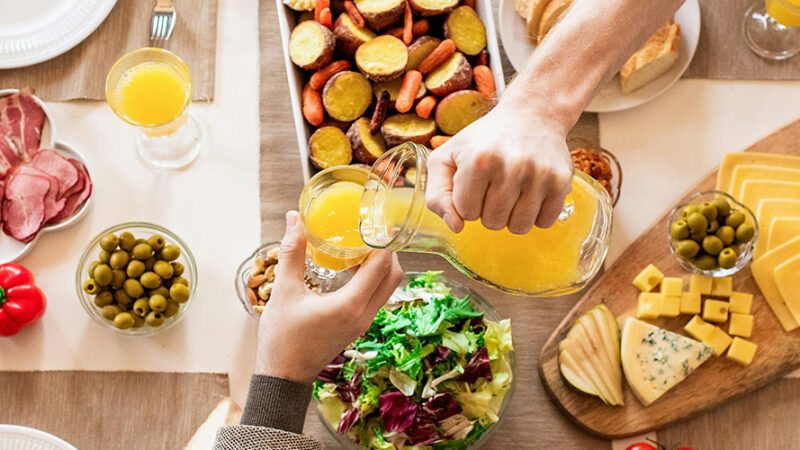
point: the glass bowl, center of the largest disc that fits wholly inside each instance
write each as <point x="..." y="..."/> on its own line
<point x="745" y="250"/>
<point x="457" y="290"/>
<point x="139" y="230"/>
<point x="608" y="157"/>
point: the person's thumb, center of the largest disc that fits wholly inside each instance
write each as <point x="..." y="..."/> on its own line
<point x="292" y="259"/>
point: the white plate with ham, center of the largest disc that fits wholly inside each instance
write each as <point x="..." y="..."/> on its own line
<point x="45" y="183"/>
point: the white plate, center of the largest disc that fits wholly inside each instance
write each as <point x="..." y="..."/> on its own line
<point x="15" y="437"/>
<point x="297" y="76"/>
<point x="514" y="35"/>
<point x="32" y="31"/>
<point x="12" y="249"/>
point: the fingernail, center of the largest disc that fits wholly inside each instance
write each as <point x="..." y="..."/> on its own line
<point x="291" y="219"/>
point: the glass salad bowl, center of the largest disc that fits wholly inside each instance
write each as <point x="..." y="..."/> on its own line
<point x="481" y="399"/>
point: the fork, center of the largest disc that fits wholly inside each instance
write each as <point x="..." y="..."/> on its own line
<point x="162" y="21"/>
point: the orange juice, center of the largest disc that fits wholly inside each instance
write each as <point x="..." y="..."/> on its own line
<point x="787" y="12"/>
<point x="152" y="93"/>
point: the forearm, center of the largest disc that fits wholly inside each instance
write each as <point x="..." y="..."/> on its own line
<point x="276" y="403"/>
<point x="583" y="51"/>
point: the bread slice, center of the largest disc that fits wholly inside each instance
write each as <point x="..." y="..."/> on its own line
<point x="551" y="15"/>
<point x="522" y="7"/>
<point x="533" y="18"/>
<point x="227" y="412"/>
<point x="651" y="61"/>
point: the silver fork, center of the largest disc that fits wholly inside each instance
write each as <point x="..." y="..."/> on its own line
<point x="162" y="21"/>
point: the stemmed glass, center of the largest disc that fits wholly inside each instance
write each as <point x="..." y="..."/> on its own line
<point x="772" y="28"/>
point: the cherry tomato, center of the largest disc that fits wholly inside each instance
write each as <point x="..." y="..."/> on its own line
<point x="640" y="446"/>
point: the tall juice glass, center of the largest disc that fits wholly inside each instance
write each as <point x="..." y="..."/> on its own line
<point x="772" y="28"/>
<point x="151" y="88"/>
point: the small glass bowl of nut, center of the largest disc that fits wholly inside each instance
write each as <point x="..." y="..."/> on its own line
<point x="256" y="275"/>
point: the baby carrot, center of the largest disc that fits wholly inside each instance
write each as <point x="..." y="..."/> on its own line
<point x="354" y="13"/>
<point x="325" y="18"/>
<point x="379" y="115"/>
<point x="396" y="32"/>
<point x="425" y="106"/>
<point x="408" y="25"/>
<point x="312" y="105"/>
<point x="408" y="90"/>
<point x="437" y="141"/>
<point x="484" y="81"/>
<point x="438" y="56"/>
<point x="319" y="6"/>
<point x="420" y="28"/>
<point x="318" y="80"/>
<point x="482" y="59"/>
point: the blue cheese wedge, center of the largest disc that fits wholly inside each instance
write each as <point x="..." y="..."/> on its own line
<point x="654" y="360"/>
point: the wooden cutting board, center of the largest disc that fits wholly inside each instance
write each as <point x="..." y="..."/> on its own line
<point x="716" y="381"/>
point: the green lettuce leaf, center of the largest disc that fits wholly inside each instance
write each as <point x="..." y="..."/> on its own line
<point x="498" y="338"/>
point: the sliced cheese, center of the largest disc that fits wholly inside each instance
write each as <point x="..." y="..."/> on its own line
<point x="733" y="160"/>
<point x="768" y="209"/>
<point x="753" y="191"/>
<point x="764" y="273"/>
<point x="654" y="360"/>
<point x="787" y="279"/>
<point x="761" y="172"/>
<point x="782" y="230"/>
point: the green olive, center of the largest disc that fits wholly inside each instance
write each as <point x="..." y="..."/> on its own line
<point x="141" y="307"/>
<point x="138" y="321"/>
<point x="119" y="259"/>
<point x="133" y="288"/>
<point x="122" y="298"/>
<point x="161" y="290"/>
<point x="135" y="268"/>
<point x="142" y="251"/>
<point x="727" y="258"/>
<point x="712" y="245"/>
<point x="150" y="280"/>
<point x="111" y="311"/>
<point x="103" y="299"/>
<point x="172" y="309"/>
<point x="93" y="266"/>
<point x="713" y="226"/>
<point x="117" y="278"/>
<point x="697" y="222"/>
<point x="123" y="320"/>
<point x="149" y="263"/>
<point x="734" y="219"/>
<point x="705" y="262"/>
<point x="104" y="257"/>
<point x="158" y="303"/>
<point x="171" y="253"/>
<point x="91" y="287"/>
<point x="708" y="210"/>
<point x="723" y="207"/>
<point x="109" y="242"/>
<point x="155" y="319"/>
<point x="177" y="269"/>
<point x="679" y="230"/>
<point x="745" y="233"/>
<point x="140" y="241"/>
<point x="102" y="275"/>
<point x="698" y="235"/>
<point x="734" y="248"/>
<point x="687" y="211"/>
<point x="157" y="242"/>
<point x="180" y="280"/>
<point x="179" y="292"/>
<point x="126" y="241"/>
<point x="163" y="269"/>
<point x="687" y="248"/>
<point x="727" y="234"/>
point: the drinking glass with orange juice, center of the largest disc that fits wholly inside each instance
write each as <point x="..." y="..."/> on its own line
<point x="151" y="88"/>
<point x="772" y="28"/>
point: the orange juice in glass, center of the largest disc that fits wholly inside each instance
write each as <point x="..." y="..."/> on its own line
<point x="772" y="28"/>
<point x="151" y="88"/>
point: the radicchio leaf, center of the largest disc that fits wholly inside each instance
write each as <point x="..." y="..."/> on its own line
<point x="330" y="374"/>
<point x="440" y="354"/>
<point x="348" y="419"/>
<point x="442" y="405"/>
<point x="423" y="431"/>
<point x="397" y="410"/>
<point x="349" y="391"/>
<point x="478" y="367"/>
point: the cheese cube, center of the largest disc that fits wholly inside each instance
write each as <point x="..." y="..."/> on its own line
<point x="699" y="328"/>
<point x="671" y="286"/>
<point x="718" y="340"/>
<point x="691" y="303"/>
<point x="721" y="287"/>
<point x="700" y="284"/>
<point x="740" y="302"/>
<point x="670" y="305"/>
<point x="742" y="351"/>
<point x="741" y="325"/>
<point x="648" y="278"/>
<point x="649" y="305"/>
<point x="715" y="311"/>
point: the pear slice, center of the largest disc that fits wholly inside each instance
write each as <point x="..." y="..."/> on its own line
<point x="609" y="332"/>
<point x="574" y="374"/>
<point x="594" y="363"/>
<point x="604" y="366"/>
<point x="575" y="350"/>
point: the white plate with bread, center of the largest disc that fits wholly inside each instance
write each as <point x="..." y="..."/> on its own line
<point x="649" y="72"/>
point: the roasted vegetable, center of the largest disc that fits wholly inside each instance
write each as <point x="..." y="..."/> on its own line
<point x="454" y="75"/>
<point x="329" y="147"/>
<point x="381" y="14"/>
<point x="366" y="147"/>
<point x="437" y="57"/>
<point x="408" y="127"/>
<point x="412" y="80"/>
<point x="420" y="49"/>
<point x="379" y="115"/>
<point x="349" y="36"/>
<point x="393" y="88"/>
<point x="346" y="96"/>
<point x="433" y="7"/>
<point x="311" y="45"/>
<point x="382" y="58"/>
<point x="465" y="28"/>
<point x="460" y="109"/>
<point x="484" y="82"/>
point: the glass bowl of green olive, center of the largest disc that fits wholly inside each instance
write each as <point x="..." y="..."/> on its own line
<point x="712" y="234"/>
<point x="136" y="278"/>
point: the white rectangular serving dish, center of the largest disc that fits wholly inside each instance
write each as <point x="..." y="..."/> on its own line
<point x="297" y="78"/>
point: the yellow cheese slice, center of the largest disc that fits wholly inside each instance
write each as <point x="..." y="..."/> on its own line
<point x="768" y="210"/>
<point x="753" y="191"/>
<point x="787" y="279"/>
<point x="764" y="273"/>
<point x="783" y="229"/>
<point x="732" y="160"/>
<point x="761" y="172"/>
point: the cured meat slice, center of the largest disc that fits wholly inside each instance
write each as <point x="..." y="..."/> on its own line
<point x="76" y="198"/>
<point x="54" y="164"/>
<point x="25" y="117"/>
<point x="52" y="204"/>
<point x="23" y="205"/>
<point x="8" y="149"/>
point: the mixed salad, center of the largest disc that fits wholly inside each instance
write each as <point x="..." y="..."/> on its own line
<point x="430" y="372"/>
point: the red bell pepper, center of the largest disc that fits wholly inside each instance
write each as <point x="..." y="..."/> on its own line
<point x="21" y="302"/>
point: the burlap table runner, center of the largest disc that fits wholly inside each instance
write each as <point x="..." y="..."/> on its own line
<point x="81" y="72"/>
<point x="112" y="410"/>
<point x="722" y="52"/>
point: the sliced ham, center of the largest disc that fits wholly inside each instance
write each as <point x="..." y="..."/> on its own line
<point x="52" y="204"/>
<point x="57" y="166"/>
<point x="8" y="145"/>
<point x="26" y="118"/>
<point x="75" y="199"/>
<point x="24" y="204"/>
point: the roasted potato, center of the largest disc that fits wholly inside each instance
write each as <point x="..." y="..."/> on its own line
<point x="393" y="88"/>
<point x="465" y="28"/>
<point x="348" y="36"/>
<point x="329" y="147"/>
<point x="346" y="96"/>
<point x="311" y="45"/>
<point x="419" y="49"/>
<point x="382" y="58"/>
<point x="427" y="8"/>
<point x="381" y="14"/>
<point x="366" y="147"/>
<point x="407" y="127"/>
<point x="454" y="75"/>
<point x="460" y="109"/>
